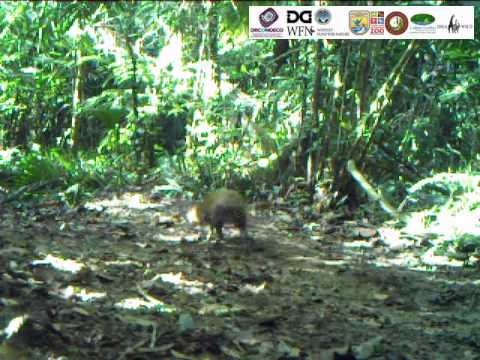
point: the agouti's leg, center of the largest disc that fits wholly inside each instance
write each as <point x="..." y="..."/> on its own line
<point x="243" y="232"/>
<point x="241" y="223"/>
<point x="211" y="233"/>
<point x="218" y="228"/>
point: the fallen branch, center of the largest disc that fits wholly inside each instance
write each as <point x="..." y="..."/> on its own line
<point x="371" y="192"/>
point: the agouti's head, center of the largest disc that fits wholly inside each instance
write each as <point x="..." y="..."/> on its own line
<point x="194" y="215"/>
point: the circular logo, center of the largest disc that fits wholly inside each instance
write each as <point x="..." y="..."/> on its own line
<point x="396" y="23"/>
<point x="323" y="16"/>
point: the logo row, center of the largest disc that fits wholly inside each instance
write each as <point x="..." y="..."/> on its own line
<point x="361" y="21"/>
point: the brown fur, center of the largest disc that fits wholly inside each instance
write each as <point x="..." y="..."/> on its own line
<point x="222" y="207"/>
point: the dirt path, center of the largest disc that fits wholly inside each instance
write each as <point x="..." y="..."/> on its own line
<point x="146" y="288"/>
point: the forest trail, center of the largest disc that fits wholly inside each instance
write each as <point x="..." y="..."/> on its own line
<point x="143" y="286"/>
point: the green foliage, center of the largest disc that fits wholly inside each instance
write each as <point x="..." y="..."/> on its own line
<point x="137" y="85"/>
<point x="32" y="167"/>
<point x="467" y="243"/>
<point x="446" y="206"/>
<point x="78" y="176"/>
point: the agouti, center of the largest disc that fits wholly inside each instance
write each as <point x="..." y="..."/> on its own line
<point x="221" y="207"/>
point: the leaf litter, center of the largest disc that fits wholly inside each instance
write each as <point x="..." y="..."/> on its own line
<point x="124" y="279"/>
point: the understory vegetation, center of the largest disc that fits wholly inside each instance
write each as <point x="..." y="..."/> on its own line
<point x="155" y="103"/>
